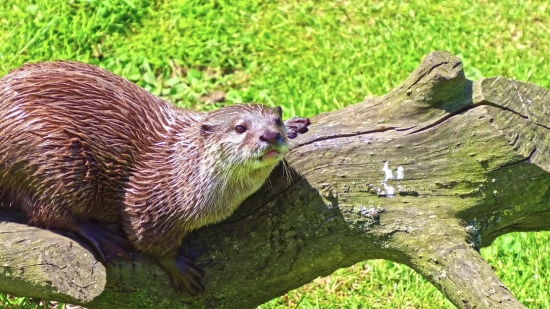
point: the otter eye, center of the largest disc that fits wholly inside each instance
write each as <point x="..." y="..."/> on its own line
<point x="240" y="129"/>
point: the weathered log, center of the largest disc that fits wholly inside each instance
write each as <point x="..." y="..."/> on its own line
<point x="424" y="176"/>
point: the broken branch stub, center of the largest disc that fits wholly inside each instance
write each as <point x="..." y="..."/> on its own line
<point x="425" y="176"/>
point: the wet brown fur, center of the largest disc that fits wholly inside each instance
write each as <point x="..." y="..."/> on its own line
<point x="79" y="143"/>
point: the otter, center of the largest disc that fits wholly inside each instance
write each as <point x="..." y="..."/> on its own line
<point x="80" y="146"/>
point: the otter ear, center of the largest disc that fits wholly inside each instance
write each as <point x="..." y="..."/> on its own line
<point x="278" y="110"/>
<point x="207" y="128"/>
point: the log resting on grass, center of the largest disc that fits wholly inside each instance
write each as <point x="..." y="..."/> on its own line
<point x="425" y="176"/>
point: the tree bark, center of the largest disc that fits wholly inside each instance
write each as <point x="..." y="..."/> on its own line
<point x="424" y="176"/>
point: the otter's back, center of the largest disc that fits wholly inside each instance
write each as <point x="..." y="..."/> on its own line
<point x="69" y="136"/>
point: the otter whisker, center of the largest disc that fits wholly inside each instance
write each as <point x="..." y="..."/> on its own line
<point x="287" y="172"/>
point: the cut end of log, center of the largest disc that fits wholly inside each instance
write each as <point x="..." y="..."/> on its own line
<point x="42" y="264"/>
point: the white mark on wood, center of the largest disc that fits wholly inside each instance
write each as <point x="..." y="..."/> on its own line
<point x="519" y="94"/>
<point x="388" y="174"/>
<point x="400" y="172"/>
<point x="517" y="90"/>
<point x="471" y="228"/>
<point x="389" y="191"/>
<point x="369" y="212"/>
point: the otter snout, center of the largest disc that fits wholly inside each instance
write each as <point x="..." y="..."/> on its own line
<point x="271" y="137"/>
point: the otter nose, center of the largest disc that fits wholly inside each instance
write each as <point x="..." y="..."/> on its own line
<point x="270" y="137"/>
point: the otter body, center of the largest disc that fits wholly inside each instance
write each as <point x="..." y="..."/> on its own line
<point x="79" y="144"/>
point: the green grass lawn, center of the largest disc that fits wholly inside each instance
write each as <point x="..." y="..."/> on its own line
<point x="310" y="57"/>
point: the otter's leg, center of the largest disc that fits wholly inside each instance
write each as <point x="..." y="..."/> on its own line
<point x="106" y="242"/>
<point x="183" y="272"/>
<point x="162" y="243"/>
<point x="157" y="229"/>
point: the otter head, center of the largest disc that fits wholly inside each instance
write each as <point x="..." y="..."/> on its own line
<point x="248" y="138"/>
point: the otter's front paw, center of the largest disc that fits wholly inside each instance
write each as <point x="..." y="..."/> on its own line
<point x="296" y="125"/>
<point x="183" y="272"/>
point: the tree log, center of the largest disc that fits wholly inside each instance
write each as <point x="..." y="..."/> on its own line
<point x="424" y="176"/>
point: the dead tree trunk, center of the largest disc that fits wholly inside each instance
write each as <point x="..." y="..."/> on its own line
<point x="424" y="176"/>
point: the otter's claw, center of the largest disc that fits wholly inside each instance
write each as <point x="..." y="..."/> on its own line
<point x="106" y="241"/>
<point x="296" y="125"/>
<point x="183" y="272"/>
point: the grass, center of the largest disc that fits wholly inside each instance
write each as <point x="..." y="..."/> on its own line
<point x="310" y="57"/>
<point x="521" y="260"/>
